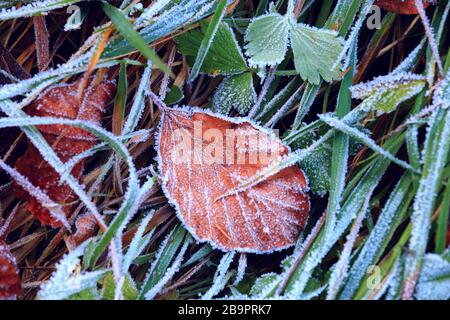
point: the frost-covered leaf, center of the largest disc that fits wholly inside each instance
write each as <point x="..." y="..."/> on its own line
<point x="389" y="91"/>
<point x="66" y="280"/>
<point x="160" y="267"/>
<point x="434" y="280"/>
<point x="174" y="95"/>
<point x="235" y="92"/>
<point x="316" y="165"/>
<point x="185" y="12"/>
<point x="267" y="38"/>
<point x="34" y="7"/>
<point x="61" y="102"/>
<point x="129" y="289"/>
<point x="315" y="53"/>
<point x="265" y="285"/>
<point x="200" y="185"/>
<point x="221" y="276"/>
<point x="441" y="97"/>
<point x="224" y="55"/>
<point x="434" y="157"/>
<point x="9" y="274"/>
<point x="75" y="20"/>
<point x="317" y="168"/>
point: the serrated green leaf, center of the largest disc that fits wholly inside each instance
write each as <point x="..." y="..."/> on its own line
<point x="267" y="38"/>
<point x="207" y="40"/>
<point x="315" y="53"/>
<point x="224" y="55"/>
<point x="235" y="92"/>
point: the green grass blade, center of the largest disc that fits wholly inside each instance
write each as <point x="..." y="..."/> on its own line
<point x="208" y="39"/>
<point x="125" y="28"/>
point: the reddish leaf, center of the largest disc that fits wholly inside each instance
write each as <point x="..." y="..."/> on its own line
<point x="66" y="141"/>
<point x="86" y="225"/>
<point x="262" y="218"/>
<point x="400" y="6"/>
<point x="9" y="275"/>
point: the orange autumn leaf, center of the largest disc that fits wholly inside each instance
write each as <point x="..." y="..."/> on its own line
<point x="9" y="275"/>
<point x="400" y="6"/>
<point x="86" y="225"/>
<point x="62" y="101"/>
<point x="202" y="156"/>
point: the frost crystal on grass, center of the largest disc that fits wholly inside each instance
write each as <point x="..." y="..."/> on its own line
<point x="65" y="281"/>
<point x="170" y="272"/>
<point x="435" y="153"/>
<point x="371" y="249"/>
<point x="236" y="92"/>
<point x="393" y="80"/>
<point x="363" y="138"/>
<point x="32" y="8"/>
<point x="434" y="280"/>
<point x="221" y="277"/>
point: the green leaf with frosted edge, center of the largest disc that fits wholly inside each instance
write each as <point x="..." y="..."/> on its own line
<point x="129" y="289"/>
<point x="263" y="283"/>
<point x="315" y="53"/>
<point x="223" y="57"/>
<point x="174" y="95"/>
<point x="235" y="92"/>
<point x="384" y="94"/>
<point x="267" y="38"/>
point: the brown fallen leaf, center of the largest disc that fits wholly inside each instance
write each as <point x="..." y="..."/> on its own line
<point x="62" y="101"/>
<point x="400" y="6"/>
<point x="9" y="275"/>
<point x="86" y="225"/>
<point x="203" y="155"/>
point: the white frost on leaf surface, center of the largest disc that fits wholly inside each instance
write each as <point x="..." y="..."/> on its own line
<point x="434" y="280"/>
<point x="385" y="93"/>
<point x="66" y="281"/>
<point x="315" y="52"/>
<point x="155" y="8"/>
<point x="221" y="277"/>
<point x="441" y="97"/>
<point x="366" y="89"/>
<point x="170" y="272"/>
<point x="236" y="92"/>
<point x="435" y="153"/>
<point x="242" y="266"/>
<point x="363" y="138"/>
<point x="32" y="8"/>
<point x="37" y="193"/>
<point x="267" y="38"/>
<point x="411" y="60"/>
